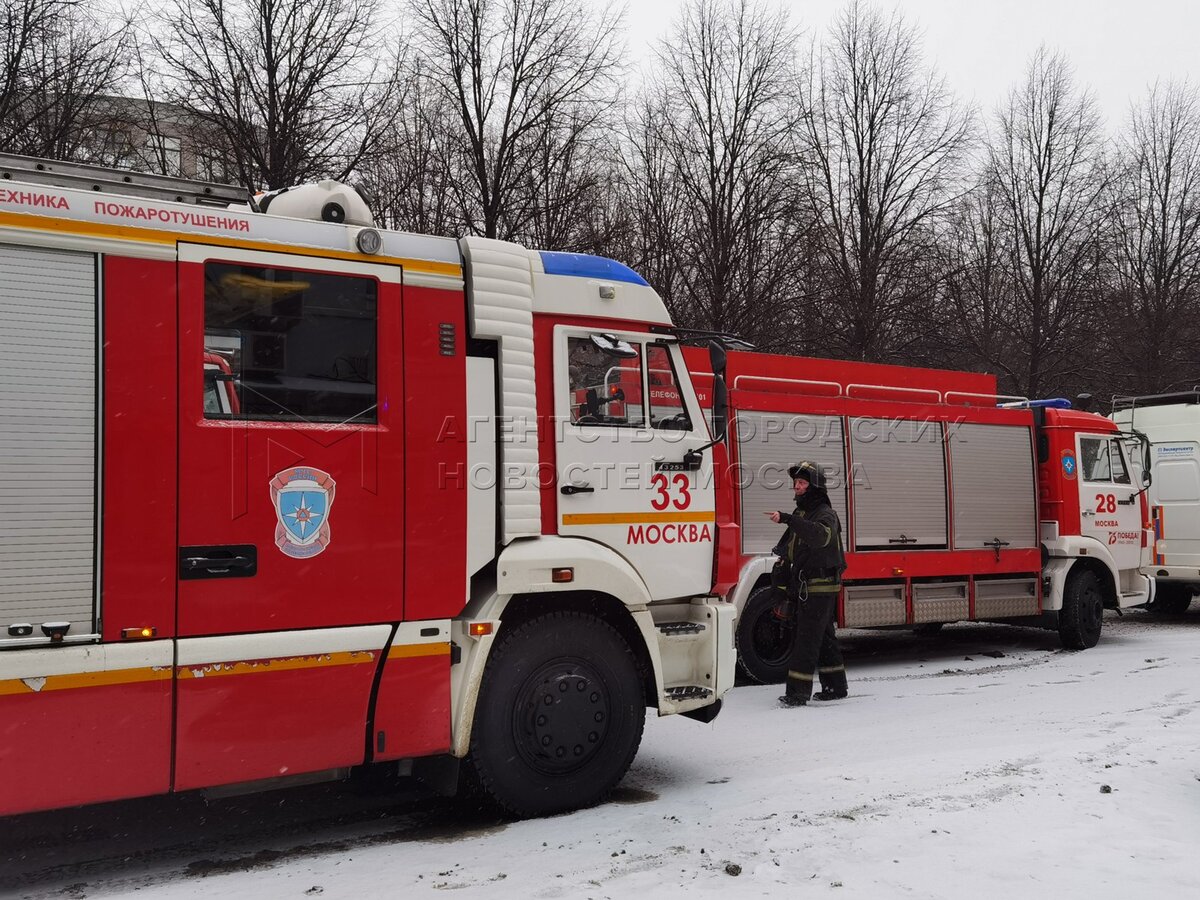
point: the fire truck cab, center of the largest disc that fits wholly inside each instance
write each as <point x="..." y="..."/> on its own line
<point x="286" y="495"/>
<point x="955" y="504"/>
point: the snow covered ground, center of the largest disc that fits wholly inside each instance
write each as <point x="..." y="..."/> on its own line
<point x="981" y="762"/>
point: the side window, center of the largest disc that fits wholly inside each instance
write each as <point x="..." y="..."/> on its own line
<point x="666" y="404"/>
<point x="1096" y="460"/>
<point x="1120" y="474"/>
<point x="298" y="346"/>
<point x="604" y="389"/>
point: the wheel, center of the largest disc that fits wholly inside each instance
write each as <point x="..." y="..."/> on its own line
<point x="928" y="629"/>
<point x="1082" y="612"/>
<point x="559" y="716"/>
<point x="1171" y="598"/>
<point x="763" y="641"/>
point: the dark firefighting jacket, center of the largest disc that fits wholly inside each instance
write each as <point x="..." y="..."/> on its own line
<point x="811" y="556"/>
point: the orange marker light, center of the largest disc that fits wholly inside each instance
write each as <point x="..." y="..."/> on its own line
<point x="139" y="634"/>
<point x="897" y="571"/>
<point x="479" y="629"/>
<point x="563" y="575"/>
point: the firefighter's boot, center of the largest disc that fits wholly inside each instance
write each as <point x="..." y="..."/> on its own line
<point x="833" y="683"/>
<point x="799" y="689"/>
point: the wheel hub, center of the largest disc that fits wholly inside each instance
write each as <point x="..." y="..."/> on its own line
<point x="562" y="717"/>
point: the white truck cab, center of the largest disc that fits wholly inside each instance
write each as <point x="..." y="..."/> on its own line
<point x="1171" y="423"/>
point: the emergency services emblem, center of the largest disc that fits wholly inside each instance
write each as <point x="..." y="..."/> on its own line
<point x="302" y="497"/>
<point x="1068" y="464"/>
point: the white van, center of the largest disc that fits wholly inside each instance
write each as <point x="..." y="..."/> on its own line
<point x="1172" y="424"/>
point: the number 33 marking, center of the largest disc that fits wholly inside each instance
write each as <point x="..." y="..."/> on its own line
<point x="662" y="490"/>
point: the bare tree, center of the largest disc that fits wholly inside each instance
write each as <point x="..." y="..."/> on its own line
<point x="716" y="173"/>
<point x="1047" y="161"/>
<point x="658" y="210"/>
<point x="886" y="139"/>
<point x="564" y="202"/>
<point x="25" y="24"/>
<point x="416" y="178"/>
<point x="61" y="66"/>
<point x="1156" y="242"/>
<point x="513" y="70"/>
<point x="977" y="298"/>
<point x="296" y="89"/>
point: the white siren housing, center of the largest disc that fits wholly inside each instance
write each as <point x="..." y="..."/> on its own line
<point x="324" y="201"/>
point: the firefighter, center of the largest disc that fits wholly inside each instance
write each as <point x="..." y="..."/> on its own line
<point x="809" y="572"/>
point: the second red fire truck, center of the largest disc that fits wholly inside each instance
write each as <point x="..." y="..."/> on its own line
<point x="957" y="504"/>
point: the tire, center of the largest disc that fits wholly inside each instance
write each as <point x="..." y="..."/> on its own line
<point x="1082" y="613"/>
<point x="763" y="641"/>
<point x="559" y="716"/>
<point x="1171" y="598"/>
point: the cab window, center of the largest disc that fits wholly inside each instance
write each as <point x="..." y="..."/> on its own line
<point x="667" y="410"/>
<point x="1120" y="474"/>
<point x="604" y="388"/>
<point x="1102" y="461"/>
<point x="1096" y="459"/>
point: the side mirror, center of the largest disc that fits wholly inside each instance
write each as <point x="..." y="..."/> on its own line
<point x="716" y="357"/>
<point x="720" y="408"/>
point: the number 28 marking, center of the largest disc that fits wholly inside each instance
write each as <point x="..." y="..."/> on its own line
<point x="662" y="489"/>
<point x="1106" y="503"/>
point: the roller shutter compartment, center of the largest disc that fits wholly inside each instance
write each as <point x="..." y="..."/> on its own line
<point x="48" y="412"/>
<point x="768" y="443"/>
<point x="993" y="486"/>
<point x="899" y="477"/>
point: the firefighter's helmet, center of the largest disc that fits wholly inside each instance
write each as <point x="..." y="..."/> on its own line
<point x="809" y="471"/>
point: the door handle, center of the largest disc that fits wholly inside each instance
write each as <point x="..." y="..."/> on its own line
<point x="570" y="489"/>
<point x="223" y="561"/>
<point x="1087" y="512"/>
<point x="218" y="564"/>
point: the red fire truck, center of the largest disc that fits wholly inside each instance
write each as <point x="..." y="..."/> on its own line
<point x="283" y="495"/>
<point x="957" y="504"/>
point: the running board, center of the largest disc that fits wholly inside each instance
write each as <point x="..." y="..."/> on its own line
<point x="674" y="628"/>
<point x="688" y="692"/>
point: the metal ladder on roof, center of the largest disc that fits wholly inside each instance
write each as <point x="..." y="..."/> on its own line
<point x="104" y="180"/>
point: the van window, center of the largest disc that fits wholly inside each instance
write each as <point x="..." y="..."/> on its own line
<point x="301" y="346"/>
<point x="1177" y="481"/>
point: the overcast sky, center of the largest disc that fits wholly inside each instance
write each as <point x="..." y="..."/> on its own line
<point x="982" y="46"/>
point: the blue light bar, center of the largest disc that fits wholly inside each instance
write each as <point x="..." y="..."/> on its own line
<point x="584" y="265"/>
<point x="1051" y="403"/>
